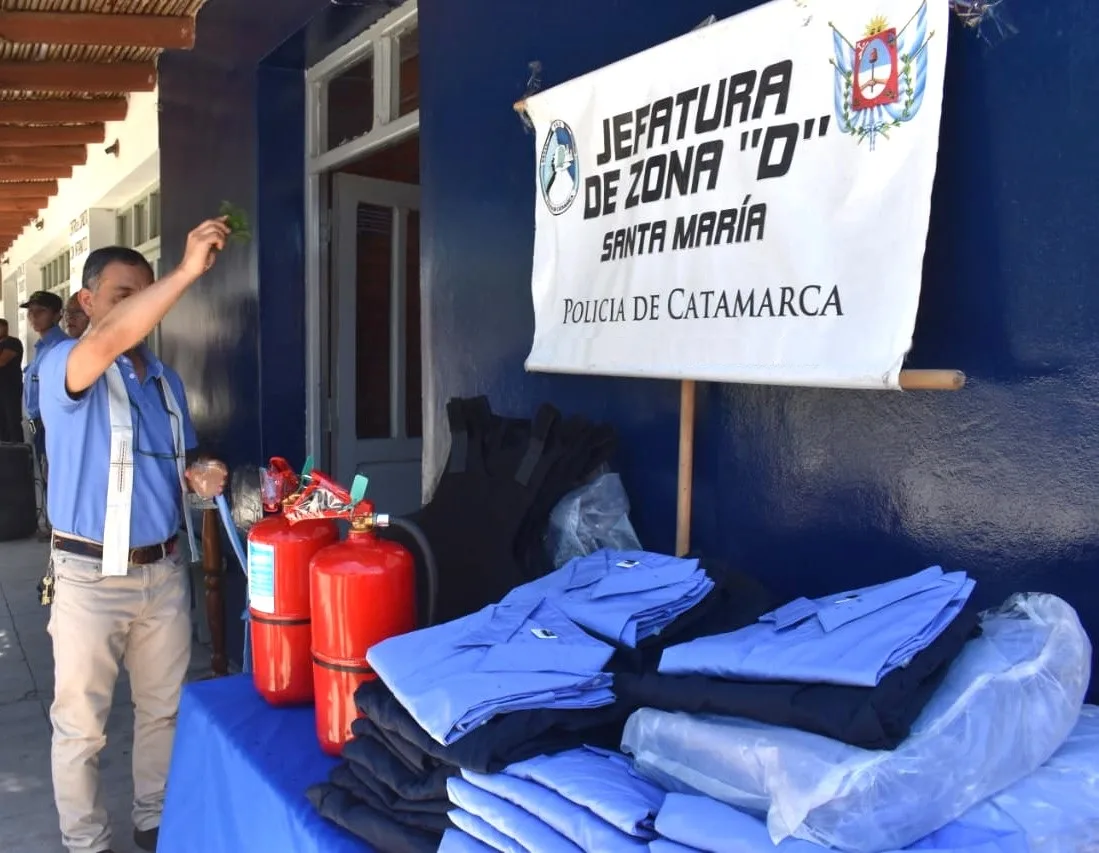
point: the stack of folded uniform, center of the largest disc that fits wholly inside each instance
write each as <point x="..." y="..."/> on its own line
<point x="857" y="666"/>
<point x="584" y="799"/>
<point x="1003" y="759"/>
<point x="487" y="519"/>
<point x="530" y="676"/>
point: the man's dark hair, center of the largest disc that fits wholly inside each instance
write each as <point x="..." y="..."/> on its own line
<point x="100" y="259"/>
<point x="3" y="323"/>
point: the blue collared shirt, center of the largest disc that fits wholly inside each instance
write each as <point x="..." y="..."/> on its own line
<point x="456" y="841"/>
<point x="31" y="379"/>
<point x="623" y="596"/>
<point x="473" y="828"/>
<point x="527" y="831"/>
<point x="590" y="796"/>
<point x="853" y="638"/>
<point x="454" y="677"/>
<point x="600" y="781"/>
<point x="78" y="444"/>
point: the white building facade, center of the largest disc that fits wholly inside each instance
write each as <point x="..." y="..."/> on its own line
<point x="113" y="199"/>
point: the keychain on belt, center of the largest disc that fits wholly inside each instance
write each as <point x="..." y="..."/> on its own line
<point x="45" y="587"/>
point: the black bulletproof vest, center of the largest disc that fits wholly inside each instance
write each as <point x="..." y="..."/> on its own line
<point x="486" y="522"/>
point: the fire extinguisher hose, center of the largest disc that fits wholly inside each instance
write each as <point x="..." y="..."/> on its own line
<point x="430" y="568"/>
<point x="238" y="549"/>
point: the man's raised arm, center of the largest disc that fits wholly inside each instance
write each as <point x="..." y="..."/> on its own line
<point x="131" y="320"/>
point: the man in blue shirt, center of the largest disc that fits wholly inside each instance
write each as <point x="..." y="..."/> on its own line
<point x="121" y="444"/>
<point x="44" y="315"/>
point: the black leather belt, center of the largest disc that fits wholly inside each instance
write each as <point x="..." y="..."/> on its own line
<point x="142" y="556"/>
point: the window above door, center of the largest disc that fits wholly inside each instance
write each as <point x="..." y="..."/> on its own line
<point x="367" y="88"/>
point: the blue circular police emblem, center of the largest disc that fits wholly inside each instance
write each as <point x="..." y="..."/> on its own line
<point x="559" y="169"/>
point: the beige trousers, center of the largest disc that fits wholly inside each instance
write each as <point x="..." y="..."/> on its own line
<point x="96" y="622"/>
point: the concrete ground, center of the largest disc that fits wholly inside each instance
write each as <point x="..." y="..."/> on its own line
<point x="28" y="822"/>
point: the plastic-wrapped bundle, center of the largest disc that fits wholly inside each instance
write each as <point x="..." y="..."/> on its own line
<point x="594" y="516"/>
<point x="1007" y="704"/>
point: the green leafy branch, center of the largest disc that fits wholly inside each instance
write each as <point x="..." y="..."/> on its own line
<point x="237" y="222"/>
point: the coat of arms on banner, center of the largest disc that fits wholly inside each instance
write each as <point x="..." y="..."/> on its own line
<point x="881" y="77"/>
<point x="558" y="170"/>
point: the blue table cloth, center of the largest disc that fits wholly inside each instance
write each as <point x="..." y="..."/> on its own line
<point x="238" y="777"/>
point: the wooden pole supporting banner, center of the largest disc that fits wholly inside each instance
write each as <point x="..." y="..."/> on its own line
<point x="910" y="380"/>
<point x="932" y="380"/>
<point x="685" y="491"/>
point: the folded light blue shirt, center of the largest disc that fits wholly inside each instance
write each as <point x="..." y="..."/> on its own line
<point x="591" y="797"/>
<point x="600" y="781"/>
<point x="623" y="596"/>
<point x="456" y="841"/>
<point x="454" y="677"/>
<point x="854" y="638"/>
<point x="663" y="845"/>
<point x="520" y="827"/>
<point x="474" y="828"/>
<point x="709" y="826"/>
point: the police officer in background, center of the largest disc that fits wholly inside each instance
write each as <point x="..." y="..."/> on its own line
<point x="11" y="386"/>
<point x="44" y="315"/>
<point x="121" y="448"/>
<point x="74" y="320"/>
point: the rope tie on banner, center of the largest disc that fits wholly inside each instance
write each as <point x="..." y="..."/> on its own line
<point x="986" y="17"/>
<point x="534" y="85"/>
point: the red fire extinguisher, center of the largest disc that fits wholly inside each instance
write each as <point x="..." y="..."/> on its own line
<point x="278" y="591"/>
<point x="363" y="590"/>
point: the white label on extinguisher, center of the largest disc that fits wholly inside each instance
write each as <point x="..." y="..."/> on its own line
<point x="261" y="577"/>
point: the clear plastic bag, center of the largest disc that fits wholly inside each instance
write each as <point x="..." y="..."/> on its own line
<point x="245" y="488"/>
<point x="1057" y="807"/>
<point x="1007" y="704"/>
<point x="594" y="516"/>
<point x="207" y="477"/>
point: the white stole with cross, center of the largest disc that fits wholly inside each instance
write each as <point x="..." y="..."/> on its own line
<point x="120" y="478"/>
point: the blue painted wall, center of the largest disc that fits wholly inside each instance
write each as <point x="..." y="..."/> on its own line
<point x="230" y="110"/>
<point x="812" y="490"/>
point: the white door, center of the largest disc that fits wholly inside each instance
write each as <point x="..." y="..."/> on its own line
<point x="377" y="401"/>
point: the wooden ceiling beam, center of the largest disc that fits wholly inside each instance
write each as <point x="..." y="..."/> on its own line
<point x="67" y="110"/>
<point x="91" y="77"/>
<point x="28" y="189"/>
<point x="35" y="173"/>
<point x="23" y="205"/>
<point x="76" y="134"/>
<point x="161" y="31"/>
<point x="52" y="156"/>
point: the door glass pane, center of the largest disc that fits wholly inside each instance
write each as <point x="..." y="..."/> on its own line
<point x="414" y="417"/>
<point x="351" y="103"/>
<point x="141" y="224"/>
<point x="408" y="75"/>
<point x="124" y="231"/>
<point x="374" y="244"/>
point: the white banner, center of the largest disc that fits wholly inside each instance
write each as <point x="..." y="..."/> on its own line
<point x="746" y="203"/>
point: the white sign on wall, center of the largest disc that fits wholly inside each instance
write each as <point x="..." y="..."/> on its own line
<point x="90" y="230"/>
<point x="746" y="203"/>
